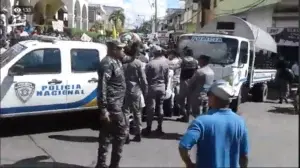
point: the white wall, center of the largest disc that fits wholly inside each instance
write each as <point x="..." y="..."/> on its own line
<point x="261" y="17"/>
<point x="286" y="23"/>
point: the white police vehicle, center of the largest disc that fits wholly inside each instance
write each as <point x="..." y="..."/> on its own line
<point x="48" y="76"/>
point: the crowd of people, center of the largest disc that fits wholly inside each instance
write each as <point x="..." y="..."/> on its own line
<point x="129" y="81"/>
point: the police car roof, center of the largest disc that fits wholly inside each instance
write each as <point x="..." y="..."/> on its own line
<point x="63" y="43"/>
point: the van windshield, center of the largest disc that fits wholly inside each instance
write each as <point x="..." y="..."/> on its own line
<point x="221" y="50"/>
<point x="11" y="53"/>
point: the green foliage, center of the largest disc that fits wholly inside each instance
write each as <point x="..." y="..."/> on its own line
<point x="78" y="33"/>
<point x="98" y="26"/>
<point x="145" y="28"/>
<point x="118" y="18"/>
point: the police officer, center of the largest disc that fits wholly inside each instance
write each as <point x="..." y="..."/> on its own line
<point x="188" y="67"/>
<point x="198" y="86"/>
<point x="157" y="72"/>
<point x="136" y="85"/>
<point x="111" y="93"/>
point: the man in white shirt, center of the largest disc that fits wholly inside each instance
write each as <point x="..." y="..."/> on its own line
<point x="295" y="69"/>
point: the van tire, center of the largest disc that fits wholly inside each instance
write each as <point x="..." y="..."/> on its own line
<point x="260" y="93"/>
<point x="234" y="105"/>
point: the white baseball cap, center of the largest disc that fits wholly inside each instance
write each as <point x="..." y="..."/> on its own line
<point x="222" y="89"/>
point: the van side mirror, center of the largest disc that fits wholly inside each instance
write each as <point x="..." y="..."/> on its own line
<point x="16" y="70"/>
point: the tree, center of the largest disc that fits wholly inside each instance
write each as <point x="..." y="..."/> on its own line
<point x="118" y="19"/>
<point x="145" y="27"/>
<point x="98" y="26"/>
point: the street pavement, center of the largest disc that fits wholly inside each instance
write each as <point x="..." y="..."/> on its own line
<point x="64" y="140"/>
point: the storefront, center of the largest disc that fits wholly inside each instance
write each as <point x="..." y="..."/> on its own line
<point x="287" y="40"/>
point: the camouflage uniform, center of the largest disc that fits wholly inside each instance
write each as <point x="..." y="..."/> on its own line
<point x="198" y="86"/>
<point x="136" y="85"/>
<point x="157" y="72"/>
<point x="111" y="93"/>
<point x="188" y="67"/>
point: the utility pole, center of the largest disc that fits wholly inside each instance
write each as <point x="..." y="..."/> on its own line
<point x="155" y="16"/>
<point x="299" y="56"/>
<point x="202" y="7"/>
<point x="199" y="19"/>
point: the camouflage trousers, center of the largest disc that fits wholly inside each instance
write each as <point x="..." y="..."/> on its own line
<point x="133" y="104"/>
<point x="194" y="104"/>
<point x="198" y="104"/>
<point x="154" y="103"/>
<point x="115" y="131"/>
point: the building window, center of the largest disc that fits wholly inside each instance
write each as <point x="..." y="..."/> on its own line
<point x="92" y="16"/>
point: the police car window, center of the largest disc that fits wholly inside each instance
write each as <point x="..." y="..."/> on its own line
<point x="41" y="61"/>
<point x="84" y="60"/>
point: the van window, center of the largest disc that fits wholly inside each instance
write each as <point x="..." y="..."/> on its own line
<point x="41" y="61"/>
<point x="243" y="53"/>
<point x="84" y="60"/>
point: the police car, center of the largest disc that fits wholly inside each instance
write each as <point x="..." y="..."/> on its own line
<point x="49" y="75"/>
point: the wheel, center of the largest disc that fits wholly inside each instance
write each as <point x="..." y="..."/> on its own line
<point x="234" y="105"/>
<point x="260" y="93"/>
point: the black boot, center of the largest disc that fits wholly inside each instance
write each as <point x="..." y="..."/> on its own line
<point x="146" y="131"/>
<point x="159" y="131"/>
<point x="183" y="119"/>
<point x="137" y="138"/>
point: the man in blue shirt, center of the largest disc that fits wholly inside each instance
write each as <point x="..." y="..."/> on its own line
<point x="221" y="135"/>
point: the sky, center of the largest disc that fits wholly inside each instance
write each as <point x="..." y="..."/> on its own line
<point x="138" y="10"/>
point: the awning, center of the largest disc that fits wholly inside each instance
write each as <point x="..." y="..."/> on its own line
<point x="287" y="36"/>
<point x="262" y="39"/>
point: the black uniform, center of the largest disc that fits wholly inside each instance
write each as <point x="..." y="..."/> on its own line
<point x="111" y="93"/>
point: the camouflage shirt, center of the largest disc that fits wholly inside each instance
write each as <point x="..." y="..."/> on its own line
<point x="136" y="82"/>
<point x="111" y="84"/>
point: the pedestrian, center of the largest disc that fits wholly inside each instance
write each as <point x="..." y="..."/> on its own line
<point x="157" y="73"/>
<point x="188" y="67"/>
<point x="111" y="93"/>
<point x="221" y="135"/>
<point x="136" y="87"/>
<point x="175" y="65"/>
<point x="198" y="86"/>
<point x="284" y="77"/>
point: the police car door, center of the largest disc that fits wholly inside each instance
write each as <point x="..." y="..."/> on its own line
<point x="36" y="83"/>
<point x="83" y="78"/>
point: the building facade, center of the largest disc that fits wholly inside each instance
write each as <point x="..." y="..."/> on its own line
<point x="73" y="12"/>
<point x="174" y="18"/>
<point x="101" y="14"/>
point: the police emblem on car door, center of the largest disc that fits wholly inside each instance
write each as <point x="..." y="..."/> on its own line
<point x="24" y="90"/>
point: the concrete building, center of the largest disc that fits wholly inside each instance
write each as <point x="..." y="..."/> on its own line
<point x="73" y="12"/>
<point x="174" y="18"/>
<point x="278" y="17"/>
<point x="101" y="13"/>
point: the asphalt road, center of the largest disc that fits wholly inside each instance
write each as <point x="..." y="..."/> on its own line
<point x="66" y="141"/>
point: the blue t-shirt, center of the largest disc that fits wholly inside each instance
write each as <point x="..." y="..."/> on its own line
<point x="221" y="137"/>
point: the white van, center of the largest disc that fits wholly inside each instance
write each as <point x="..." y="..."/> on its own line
<point x="49" y="76"/>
